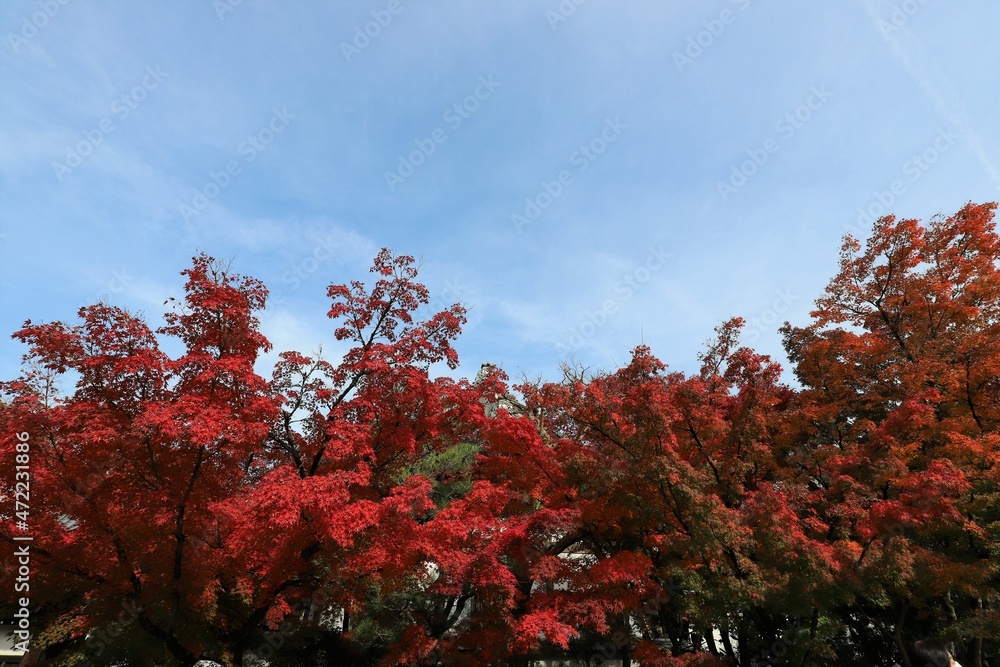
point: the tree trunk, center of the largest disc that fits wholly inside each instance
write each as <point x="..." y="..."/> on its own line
<point x="897" y="636"/>
<point x="727" y="642"/>
<point x="713" y="648"/>
<point x="743" y="639"/>
<point x="974" y="649"/>
<point x="813" y="625"/>
<point x="974" y="653"/>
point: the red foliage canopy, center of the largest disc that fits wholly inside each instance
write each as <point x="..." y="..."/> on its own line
<point x="359" y="511"/>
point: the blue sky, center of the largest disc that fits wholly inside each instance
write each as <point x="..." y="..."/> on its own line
<point x="584" y="177"/>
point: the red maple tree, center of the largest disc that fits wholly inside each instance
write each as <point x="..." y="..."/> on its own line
<point x="899" y="423"/>
<point x="359" y="511"/>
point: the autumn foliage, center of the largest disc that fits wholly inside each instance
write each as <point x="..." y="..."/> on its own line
<point x="360" y="511"/>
